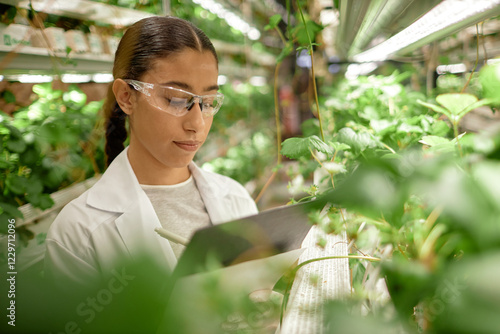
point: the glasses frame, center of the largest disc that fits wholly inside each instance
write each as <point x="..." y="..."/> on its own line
<point x="146" y="87"/>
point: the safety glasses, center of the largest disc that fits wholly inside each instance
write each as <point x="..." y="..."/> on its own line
<point x="176" y="101"/>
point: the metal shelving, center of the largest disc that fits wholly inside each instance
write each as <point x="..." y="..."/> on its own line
<point x="28" y="59"/>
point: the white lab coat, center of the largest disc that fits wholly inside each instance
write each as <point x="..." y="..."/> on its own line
<point x="115" y="220"/>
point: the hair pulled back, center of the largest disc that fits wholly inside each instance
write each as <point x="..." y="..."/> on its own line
<point x="145" y="41"/>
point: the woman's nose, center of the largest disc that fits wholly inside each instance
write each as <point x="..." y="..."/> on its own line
<point x="194" y="120"/>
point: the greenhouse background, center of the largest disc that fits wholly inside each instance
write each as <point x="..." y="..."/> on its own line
<point x="384" y="112"/>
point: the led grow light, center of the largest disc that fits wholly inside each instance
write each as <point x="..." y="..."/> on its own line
<point x="102" y="77"/>
<point x="32" y="78"/>
<point x="452" y="68"/>
<point x="446" y="18"/>
<point x="75" y="78"/>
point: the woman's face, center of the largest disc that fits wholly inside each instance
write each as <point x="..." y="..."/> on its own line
<point x="163" y="139"/>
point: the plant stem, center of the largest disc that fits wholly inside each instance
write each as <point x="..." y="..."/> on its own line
<point x="477" y="60"/>
<point x="455" y="131"/>
<point x="315" y="157"/>
<point x="311" y="53"/>
<point x="321" y="164"/>
<point x="360" y="257"/>
<point x="278" y="133"/>
<point x="281" y="35"/>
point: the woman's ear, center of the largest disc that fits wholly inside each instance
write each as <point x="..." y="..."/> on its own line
<point x="124" y="96"/>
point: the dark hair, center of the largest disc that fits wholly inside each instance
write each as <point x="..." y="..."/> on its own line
<point x="143" y="42"/>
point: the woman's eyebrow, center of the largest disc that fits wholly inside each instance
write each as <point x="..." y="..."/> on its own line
<point x="185" y="86"/>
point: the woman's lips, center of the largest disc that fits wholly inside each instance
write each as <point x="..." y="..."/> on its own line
<point x="190" y="146"/>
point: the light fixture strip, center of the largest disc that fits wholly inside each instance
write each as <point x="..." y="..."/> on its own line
<point x="446" y="18"/>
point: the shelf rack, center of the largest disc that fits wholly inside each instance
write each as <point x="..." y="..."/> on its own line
<point x="27" y="59"/>
<point x="83" y="10"/>
<point x="23" y="59"/>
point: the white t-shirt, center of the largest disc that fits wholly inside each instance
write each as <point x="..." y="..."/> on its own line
<point x="179" y="208"/>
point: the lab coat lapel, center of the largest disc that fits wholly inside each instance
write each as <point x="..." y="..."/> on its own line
<point x="118" y="190"/>
<point x="213" y="194"/>
<point x="137" y="230"/>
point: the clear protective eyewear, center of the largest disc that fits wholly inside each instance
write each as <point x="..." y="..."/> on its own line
<point x="176" y="101"/>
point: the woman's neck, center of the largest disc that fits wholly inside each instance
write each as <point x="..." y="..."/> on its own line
<point x="150" y="171"/>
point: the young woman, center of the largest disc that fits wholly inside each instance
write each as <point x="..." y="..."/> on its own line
<point x="165" y="85"/>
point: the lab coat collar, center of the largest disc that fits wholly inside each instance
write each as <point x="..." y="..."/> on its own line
<point x="118" y="190"/>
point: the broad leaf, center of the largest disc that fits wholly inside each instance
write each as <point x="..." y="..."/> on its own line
<point x="285" y="52"/>
<point x="434" y="140"/>
<point x="475" y="105"/>
<point x="334" y="168"/>
<point x="339" y="146"/>
<point x="408" y="128"/>
<point x="9" y="97"/>
<point x="11" y="210"/>
<point x="17" y="184"/>
<point x="456" y="103"/>
<point x="357" y="141"/>
<point x="295" y="148"/>
<point x="489" y="76"/>
<point x="16" y="145"/>
<point x="273" y="22"/>
<point x="435" y="108"/>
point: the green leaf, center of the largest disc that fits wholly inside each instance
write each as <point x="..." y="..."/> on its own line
<point x="11" y="210"/>
<point x="14" y="132"/>
<point x="285" y="52"/>
<point x="489" y="77"/>
<point x="17" y="184"/>
<point x="407" y="128"/>
<point x="456" y="103"/>
<point x="334" y="168"/>
<point x="295" y="148"/>
<point x="475" y="105"/>
<point x="434" y="140"/>
<point x="435" y="108"/>
<point x="357" y="141"/>
<point x="273" y="22"/>
<point x="339" y="146"/>
<point x="9" y="97"/>
<point x="34" y="186"/>
<point x="30" y="156"/>
<point x="11" y="13"/>
<point x="383" y="126"/>
<point x="487" y="175"/>
<point x="16" y="145"/>
<point x="74" y="98"/>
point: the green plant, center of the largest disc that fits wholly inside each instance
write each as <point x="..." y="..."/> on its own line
<point x="455" y="106"/>
<point x="47" y="146"/>
<point x="246" y="161"/>
<point x="434" y="216"/>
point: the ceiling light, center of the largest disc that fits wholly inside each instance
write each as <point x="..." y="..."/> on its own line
<point x="75" y="78"/>
<point x="31" y="78"/>
<point x="355" y="70"/>
<point x="453" y="68"/>
<point x="102" y="77"/>
<point x="446" y="18"/>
